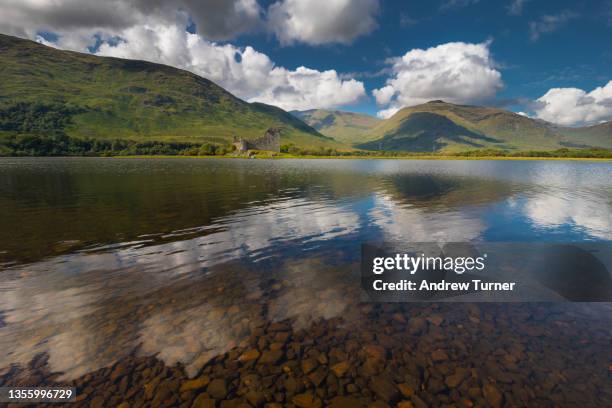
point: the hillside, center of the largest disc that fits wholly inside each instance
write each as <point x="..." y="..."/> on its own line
<point x="346" y="127"/>
<point x="437" y="125"/>
<point x="45" y="90"/>
<point x="596" y="135"/>
<point x="428" y="132"/>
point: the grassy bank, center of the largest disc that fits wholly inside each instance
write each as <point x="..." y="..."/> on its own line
<point x="283" y="156"/>
<point x="60" y="144"/>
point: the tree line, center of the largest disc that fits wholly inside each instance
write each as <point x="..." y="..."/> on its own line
<point x="60" y="144"/>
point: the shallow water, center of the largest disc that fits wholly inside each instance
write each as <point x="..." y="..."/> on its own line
<point x="127" y="277"/>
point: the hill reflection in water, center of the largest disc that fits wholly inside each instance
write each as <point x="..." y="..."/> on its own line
<point x="193" y="261"/>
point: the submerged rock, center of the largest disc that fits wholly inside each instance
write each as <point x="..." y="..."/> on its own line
<point x="217" y="389"/>
<point x="340" y="369"/>
<point x="384" y="388"/>
<point x="492" y="395"/>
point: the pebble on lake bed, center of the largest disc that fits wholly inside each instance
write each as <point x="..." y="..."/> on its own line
<point x="368" y="355"/>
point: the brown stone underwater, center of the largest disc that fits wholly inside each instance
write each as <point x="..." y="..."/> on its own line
<point x="186" y="283"/>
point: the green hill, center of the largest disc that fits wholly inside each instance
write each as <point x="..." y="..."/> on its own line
<point x="67" y="102"/>
<point x="47" y="91"/>
<point x="596" y="135"/>
<point x="346" y="127"/>
<point x="436" y="126"/>
<point x="428" y="132"/>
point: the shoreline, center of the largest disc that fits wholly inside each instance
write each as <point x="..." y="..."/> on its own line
<point x="313" y="157"/>
<point x="501" y="158"/>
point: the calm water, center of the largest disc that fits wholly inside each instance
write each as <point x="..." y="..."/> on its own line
<point x="104" y="260"/>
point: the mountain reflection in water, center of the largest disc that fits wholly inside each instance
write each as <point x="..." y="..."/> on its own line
<point x="184" y="259"/>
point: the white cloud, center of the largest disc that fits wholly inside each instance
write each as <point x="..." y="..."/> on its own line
<point x="387" y="113"/>
<point x="245" y="72"/>
<point x="549" y="23"/>
<point x="307" y="88"/>
<point x="516" y="7"/>
<point x="322" y="21"/>
<point x="384" y="95"/>
<point x="573" y="106"/>
<point x="454" y="72"/>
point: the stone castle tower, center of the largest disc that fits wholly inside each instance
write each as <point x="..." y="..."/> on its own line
<point x="269" y="141"/>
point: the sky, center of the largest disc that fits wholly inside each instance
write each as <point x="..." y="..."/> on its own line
<point x="550" y="60"/>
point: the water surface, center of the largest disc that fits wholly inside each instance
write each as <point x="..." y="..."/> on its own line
<point x="188" y="261"/>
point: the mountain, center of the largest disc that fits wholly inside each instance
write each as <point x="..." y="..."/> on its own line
<point x="437" y="125"/>
<point x="346" y="127"/>
<point x="596" y="135"/>
<point x="46" y="90"/>
<point x="440" y="126"/>
<point x="428" y="132"/>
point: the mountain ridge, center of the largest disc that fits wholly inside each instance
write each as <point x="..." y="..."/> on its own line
<point x="505" y="130"/>
<point x="46" y="91"/>
<point x="599" y="135"/>
<point x="440" y="126"/>
<point x="341" y="125"/>
<point x="86" y="96"/>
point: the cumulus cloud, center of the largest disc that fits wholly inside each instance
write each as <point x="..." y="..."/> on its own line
<point x="549" y="23"/>
<point x="454" y="72"/>
<point x="215" y="19"/>
<point x="384" y="95"/>
<point x="245" y="72"/>
<point x="573" y="106"/>
<point x="308" y="88"/>
<point x="322" y="21"/>
<point x="290" y="20"/>
<point x="223" y="19"/>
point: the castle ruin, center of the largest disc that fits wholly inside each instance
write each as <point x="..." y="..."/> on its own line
<point x="269" y="141"/>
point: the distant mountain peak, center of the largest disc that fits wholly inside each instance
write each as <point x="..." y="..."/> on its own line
<point x="346" y="127"/>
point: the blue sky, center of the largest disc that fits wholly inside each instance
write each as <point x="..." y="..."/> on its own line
<point x="577" y="53"/>
<point x="548" y="59"/>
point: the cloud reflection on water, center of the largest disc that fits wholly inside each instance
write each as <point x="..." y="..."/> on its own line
<point x="554" y="210"/>
<point x="412" y="224"/>
<point x="58" y="306"/>
<point x="87" y="309"/>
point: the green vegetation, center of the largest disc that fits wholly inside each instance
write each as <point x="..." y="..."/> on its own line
<point x="55" y="102"/>
<point x="46" y="91"/>
<point x="597" y="135"/>
<point x="59" y="144"/>
<point x="437" y="126"/>
<point x="593" y="153"/>
<point x="36" y="117"/>
<point x="427" y="132"/>
<point x="345" y="127"/>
